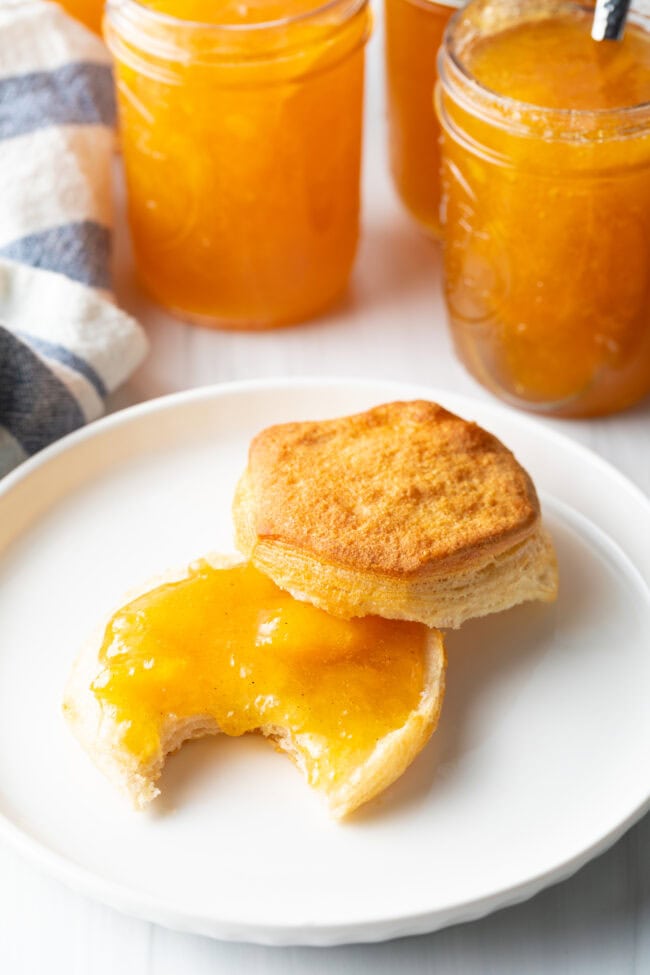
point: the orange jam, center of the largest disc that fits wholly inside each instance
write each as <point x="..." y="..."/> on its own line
<point x="414" y="30"/>
<point x="547" y="204"/>
<point x="89" y="12"/>
<point x="241" y="137"/>
<point x="229" y="644"/>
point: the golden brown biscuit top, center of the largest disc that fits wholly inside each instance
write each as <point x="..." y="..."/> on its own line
<point x="400" y="488"/>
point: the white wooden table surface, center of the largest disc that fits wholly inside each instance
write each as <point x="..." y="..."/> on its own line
<point x="391" y="326"/>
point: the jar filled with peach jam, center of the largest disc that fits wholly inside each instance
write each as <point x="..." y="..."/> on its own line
<point x="414" y="31"/>
<point x="241" y="136"/>
<point x="546" y="199"/>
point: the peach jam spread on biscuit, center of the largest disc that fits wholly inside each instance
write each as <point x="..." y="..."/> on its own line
<point x="230" y="645"/>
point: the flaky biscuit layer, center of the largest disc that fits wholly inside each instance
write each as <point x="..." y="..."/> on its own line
<point x="405" y="511"/>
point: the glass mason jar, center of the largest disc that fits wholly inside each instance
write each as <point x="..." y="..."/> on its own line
<point x="241" y="145"/>
<point x="414" y="31"/>
<point x="546" y="212"/>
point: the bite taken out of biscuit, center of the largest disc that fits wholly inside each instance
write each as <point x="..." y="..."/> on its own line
<point x="129" y="715"/>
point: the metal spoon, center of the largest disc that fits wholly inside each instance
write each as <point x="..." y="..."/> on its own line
<point x="609" y="19"/>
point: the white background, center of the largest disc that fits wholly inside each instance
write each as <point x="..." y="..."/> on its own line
<point x="391" y="326"/>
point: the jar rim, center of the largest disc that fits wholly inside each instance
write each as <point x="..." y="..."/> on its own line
<point x="509" y="107"/>
<point x="169" y="20"/>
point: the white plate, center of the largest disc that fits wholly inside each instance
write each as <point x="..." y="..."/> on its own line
<point x="541" y="759"/>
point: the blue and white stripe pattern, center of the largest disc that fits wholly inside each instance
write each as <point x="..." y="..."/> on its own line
<point x="64" y="345"/>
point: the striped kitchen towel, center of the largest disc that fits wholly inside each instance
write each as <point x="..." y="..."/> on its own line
<point x="64" y="344"/>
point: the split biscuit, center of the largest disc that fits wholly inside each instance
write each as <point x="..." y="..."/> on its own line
<point x="362" y="770"/>
<point x="405" y="511"/>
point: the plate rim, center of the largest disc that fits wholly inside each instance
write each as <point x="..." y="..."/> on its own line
<point x="122" y="416"/>
<point x="139" y="903"/>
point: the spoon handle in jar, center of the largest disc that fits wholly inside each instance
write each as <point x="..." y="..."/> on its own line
<point x="609" y="19"/>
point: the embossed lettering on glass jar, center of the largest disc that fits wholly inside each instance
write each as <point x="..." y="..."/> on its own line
<point x="546" y="204"/>
<point x="414" y="30"/>
<point x="241" y="137"/>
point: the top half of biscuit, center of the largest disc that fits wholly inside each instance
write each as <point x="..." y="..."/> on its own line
<point x="400" y="489"/>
